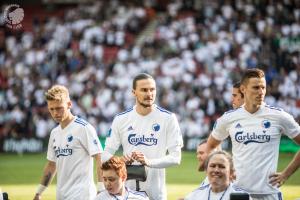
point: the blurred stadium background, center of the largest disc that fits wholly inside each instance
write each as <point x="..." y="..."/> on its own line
<point x="195" y="49"/>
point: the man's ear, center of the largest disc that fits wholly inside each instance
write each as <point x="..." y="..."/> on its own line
<point x="133" y="92"/>
<point x="243" y="88"/>
<point x="69" y="104"/>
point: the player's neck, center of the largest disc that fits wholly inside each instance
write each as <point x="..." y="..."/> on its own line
<point x="67" y="121"/>
<point x="252" y="108"/>
<point x="143" y="110"/>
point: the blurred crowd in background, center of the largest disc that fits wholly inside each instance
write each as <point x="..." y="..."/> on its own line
<point x="196" y="51"/>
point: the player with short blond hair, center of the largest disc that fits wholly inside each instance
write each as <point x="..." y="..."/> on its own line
<point x="72" y="146"/>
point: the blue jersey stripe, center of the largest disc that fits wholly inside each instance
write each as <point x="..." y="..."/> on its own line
<point x="272" y="107"/>
<point x="79" y="122"/>
<point x="230" y="111"/>
<point x="122" y="113"/>
<point x="279" y="196"/>
<point x="163" y="110"/>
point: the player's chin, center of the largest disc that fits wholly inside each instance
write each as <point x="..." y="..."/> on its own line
<point x="259" y="102"/>
<point x="57" y="120"/>
<point x="147" y="104"/>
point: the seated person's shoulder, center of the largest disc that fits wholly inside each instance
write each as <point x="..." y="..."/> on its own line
<point x="197" y="192"/>
<point x="139" y="195"/>
<point x="102" y="195"/>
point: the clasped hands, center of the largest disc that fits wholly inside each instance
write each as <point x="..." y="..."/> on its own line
<point x="136" y="156"/>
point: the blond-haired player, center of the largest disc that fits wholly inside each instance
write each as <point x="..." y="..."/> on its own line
<point x="72" y="146"/>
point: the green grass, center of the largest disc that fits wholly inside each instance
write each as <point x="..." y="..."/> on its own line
<point x="20" y="174"/>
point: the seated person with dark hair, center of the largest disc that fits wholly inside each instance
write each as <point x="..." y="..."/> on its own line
<point x="114" y="176"/>
<point x="220" y="171"/>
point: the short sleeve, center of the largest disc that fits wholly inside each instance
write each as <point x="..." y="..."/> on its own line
<point x="174" y="133"/>
<point x="220" y="130"/>
<point x="91" y="141"/>
<point x="290" y="127"/>
<point x="113" y="140"/>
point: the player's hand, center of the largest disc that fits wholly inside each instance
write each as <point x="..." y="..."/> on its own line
<point x="277" y="179"/>
<point x="37" y="197"/>
<point x="140" y="157"/>
<point x="128" y="159"/>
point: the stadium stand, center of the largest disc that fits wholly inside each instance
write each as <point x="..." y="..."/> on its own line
<point x="197" y="49"/>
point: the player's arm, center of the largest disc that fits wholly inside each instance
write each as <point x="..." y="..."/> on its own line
<point x="100" y="184"/>
<point x="49" y="172"/>
<point x="280" y="177"/>
<point x="113" y="141"/>
<point x="212" y="143"/>
<point x="218" y="134"/>
<point x="172" y="158"/>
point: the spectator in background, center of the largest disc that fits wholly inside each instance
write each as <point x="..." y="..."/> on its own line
<point x="255" y="131"/>
<point x="114" y="176"/>
<point x="149" y="135"/>
<point x="191" y="54"/>
<point x="72" y="146"/>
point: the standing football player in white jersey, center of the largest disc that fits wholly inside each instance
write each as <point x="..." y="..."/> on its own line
<point x="255" y="130"/>
<point x="72" y="146"/>
<point x="148" y="134"/>
<point x="114" y="175"/>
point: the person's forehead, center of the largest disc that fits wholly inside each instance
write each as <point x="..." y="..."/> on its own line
<point x="257" y="81"/>
<point x="145" y="83"/>
<point x="109" y="173"/>
<point x="218" y="158"/>
<point x="54" y="103"/>
<point x="201" y="147"/>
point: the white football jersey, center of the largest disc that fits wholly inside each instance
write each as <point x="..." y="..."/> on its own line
<point x="129" y="195"/>
<point x="72" y="149"/>
<point x="204" y="192"/>
<point x="255" y="144"/>
<point x="153" y="135"/>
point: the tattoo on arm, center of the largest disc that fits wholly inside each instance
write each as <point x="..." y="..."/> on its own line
<point x="47" y="178"/>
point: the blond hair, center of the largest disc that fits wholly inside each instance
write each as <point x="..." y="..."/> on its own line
<point x="57" y="93"/>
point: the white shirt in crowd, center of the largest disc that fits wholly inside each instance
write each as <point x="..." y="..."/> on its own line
<point x="72" y="149"/>
<point x="255" y="144"/>
<point x="154" y="135"/>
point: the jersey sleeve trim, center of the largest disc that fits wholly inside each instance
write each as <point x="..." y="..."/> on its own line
<point x="126" y="111"/>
